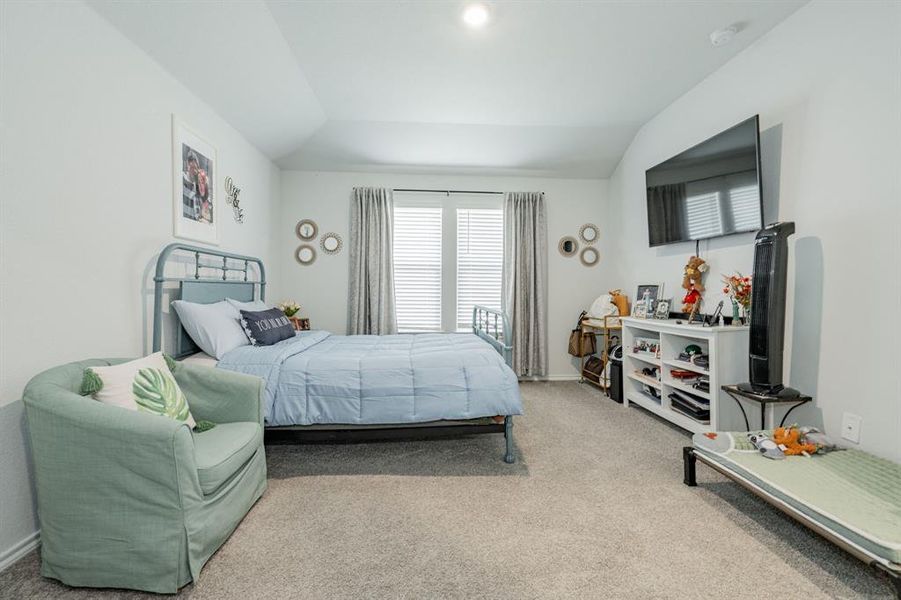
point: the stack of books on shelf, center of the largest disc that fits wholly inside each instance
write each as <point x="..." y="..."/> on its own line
<point x="691" y="406"/>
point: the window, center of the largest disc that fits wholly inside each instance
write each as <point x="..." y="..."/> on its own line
<point x="480" y="261"/>
<point x="448" y="256"/>
<point x="417" y="268"/>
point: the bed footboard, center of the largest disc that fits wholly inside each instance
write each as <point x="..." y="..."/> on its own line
<point x="493" y="326"/>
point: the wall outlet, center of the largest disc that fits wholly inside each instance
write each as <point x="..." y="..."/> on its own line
<point x="851" y="427"/>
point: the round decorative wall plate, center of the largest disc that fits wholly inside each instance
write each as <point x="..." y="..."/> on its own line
<point x="306" y="229"/>
<point x="589" y="233"/>
<point x="305" y="254"/>
<point x="568" y="246"/>
<point x="590" y="256"/>
<point x="331" y="243"/>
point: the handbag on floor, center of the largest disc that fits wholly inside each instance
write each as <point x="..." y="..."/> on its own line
<point x="581" y="345"/>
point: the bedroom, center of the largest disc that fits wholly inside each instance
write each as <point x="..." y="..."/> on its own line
<point x="299" y="104"/>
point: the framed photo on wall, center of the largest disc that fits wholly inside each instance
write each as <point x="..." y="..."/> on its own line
<point x="194" y="166"/>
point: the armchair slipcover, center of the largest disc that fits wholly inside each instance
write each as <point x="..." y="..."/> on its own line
<point x="133" y="500"/>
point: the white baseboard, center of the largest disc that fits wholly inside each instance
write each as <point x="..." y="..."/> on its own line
<point x="10" y="556"/>
<point x="573" y="377"/>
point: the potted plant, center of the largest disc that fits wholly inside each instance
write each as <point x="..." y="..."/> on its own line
<point x="290" y="308"/>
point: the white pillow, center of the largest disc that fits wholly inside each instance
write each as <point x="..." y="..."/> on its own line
<point x="144" y="385"/>
<point x="213" y="327"/>
<point x="252" y="306"/>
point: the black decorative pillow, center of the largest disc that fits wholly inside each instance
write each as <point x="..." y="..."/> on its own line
<point x="266" y="327"/>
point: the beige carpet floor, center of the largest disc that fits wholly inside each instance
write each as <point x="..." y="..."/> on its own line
<point x="595" y="508"/>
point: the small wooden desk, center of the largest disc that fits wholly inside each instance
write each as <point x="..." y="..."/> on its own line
<point x="763" y="400"/>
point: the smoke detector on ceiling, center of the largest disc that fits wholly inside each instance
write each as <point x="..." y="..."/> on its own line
<point x="723" y="36"/>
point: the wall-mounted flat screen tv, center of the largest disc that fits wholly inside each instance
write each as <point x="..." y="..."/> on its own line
<point x="710" y="190"/>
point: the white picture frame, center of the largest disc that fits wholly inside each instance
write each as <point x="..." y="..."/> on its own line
<point x="662" y="309"/>
<point x="656" y="290"/>
<point x="195" y="213"/>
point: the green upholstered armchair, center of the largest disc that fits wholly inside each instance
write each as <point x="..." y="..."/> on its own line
<point x="133" y="500"/>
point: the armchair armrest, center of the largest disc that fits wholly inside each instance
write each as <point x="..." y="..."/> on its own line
<point x="221" y="396"/>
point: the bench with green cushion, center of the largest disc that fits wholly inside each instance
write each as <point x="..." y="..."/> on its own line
<point x="132" y="500"/>
<point x="849" y="492"/>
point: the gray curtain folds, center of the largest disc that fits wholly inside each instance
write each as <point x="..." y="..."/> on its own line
<point x="668" y="203"/>
<point x="525" y="280"/>
<point x="370" y="305"/>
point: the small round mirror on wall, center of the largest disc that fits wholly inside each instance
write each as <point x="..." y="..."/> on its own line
<point x="331" y="243"/>
<point x="589" y="233"/>
<point x="305" y="254"/>
<point x="590" y="256"/>
<point x="307" y="229"/>
<point x="568" y="246"/>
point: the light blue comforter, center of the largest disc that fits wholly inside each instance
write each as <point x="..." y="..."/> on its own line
<point x="320" y="378"/>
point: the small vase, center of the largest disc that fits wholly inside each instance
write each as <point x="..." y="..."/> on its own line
<point x="736" y="318"/>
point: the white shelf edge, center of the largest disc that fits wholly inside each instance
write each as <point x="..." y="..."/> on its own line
<point x="681" y="364"/>
<point x="667" y="413"/>
<point x="686" y="388"/>
<point x="648" y="358"/>
<point x="646" y="380"/>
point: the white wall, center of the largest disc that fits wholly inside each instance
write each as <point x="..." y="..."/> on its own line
<point x="321" y="289"/>
<point x="827" y="85"/>
<point x="86" y="205"/>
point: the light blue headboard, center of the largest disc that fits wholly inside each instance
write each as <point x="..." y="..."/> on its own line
<point x="197" y="287"/>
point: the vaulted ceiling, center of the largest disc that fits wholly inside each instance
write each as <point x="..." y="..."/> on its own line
<point x="546" y="88"/>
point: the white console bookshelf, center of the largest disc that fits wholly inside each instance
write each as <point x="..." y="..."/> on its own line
<point x="727" y="349"/>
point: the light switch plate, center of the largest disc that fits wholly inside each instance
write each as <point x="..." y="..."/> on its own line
<point x="851" y="427"/>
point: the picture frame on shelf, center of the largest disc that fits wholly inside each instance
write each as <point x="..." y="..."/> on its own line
<point x="661" y="309"/>
<point x="655" y="289"/>
<point x="640" y="311"/>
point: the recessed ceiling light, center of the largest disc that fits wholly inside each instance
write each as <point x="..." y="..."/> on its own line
<point x="475" y="15"/>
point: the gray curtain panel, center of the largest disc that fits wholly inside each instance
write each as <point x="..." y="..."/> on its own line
<point x="370" y="305"/>
<point x="525" y="280"/>
<point x="668" y="203"/>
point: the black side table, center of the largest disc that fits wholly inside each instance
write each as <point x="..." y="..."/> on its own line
<point x="763" y="400"/>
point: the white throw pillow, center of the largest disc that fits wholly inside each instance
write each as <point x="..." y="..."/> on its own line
<point x="252" y="306"/>
<point x="144" y="385"/>
<point x="215" y="328"/>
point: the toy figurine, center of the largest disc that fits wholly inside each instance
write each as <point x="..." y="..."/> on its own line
<point x="692" y="282"/>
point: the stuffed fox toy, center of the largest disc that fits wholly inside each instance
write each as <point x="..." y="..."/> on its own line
<point x="790" y="440"/>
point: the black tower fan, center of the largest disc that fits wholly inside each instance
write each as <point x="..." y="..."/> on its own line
<point x="768" y="312"/>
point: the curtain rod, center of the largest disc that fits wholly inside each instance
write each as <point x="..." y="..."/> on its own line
<point x="448" y="192"/>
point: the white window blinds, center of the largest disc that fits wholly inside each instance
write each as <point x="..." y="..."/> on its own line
<point x="745" y="202"/>
<point x="417" y="268"/>
<point x="480" y="260"/>
<point x="703" y="213"/>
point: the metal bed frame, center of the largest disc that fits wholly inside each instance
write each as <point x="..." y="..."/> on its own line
<point x="233" y="278"/>
<point x="689" y="459"/>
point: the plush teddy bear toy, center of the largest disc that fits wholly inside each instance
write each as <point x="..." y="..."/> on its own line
<point x="693" y="274"/>
<point x="692" y="281"/>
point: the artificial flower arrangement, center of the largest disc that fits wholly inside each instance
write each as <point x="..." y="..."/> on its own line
<point x="738" y="287"/>
<point x="290" y="308"/>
